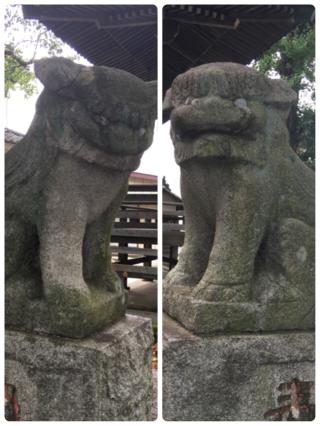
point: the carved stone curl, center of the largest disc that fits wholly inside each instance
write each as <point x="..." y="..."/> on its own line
<point x="64" y="184"/>
<point x="248" y="258"/>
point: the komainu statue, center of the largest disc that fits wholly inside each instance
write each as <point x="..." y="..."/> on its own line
<point x="64" y="184"/>
<point x="247" y="262"/>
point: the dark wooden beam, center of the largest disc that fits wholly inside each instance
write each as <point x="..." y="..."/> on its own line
<point x="135" y="250"/>
<point x="207" y="22"/>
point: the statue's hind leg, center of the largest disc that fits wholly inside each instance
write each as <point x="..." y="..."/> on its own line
<point x="290" y="263"/>
<point x="19" y="245"/>
<point x="23" y="277"/>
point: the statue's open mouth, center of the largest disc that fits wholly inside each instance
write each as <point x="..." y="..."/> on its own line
<point x="212" y="135"/>
<point x="234" y="146"/>
<point x="212" y="113"/>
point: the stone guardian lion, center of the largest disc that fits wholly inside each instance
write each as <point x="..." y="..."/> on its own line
<point x="64" y="184"/>
<point x="248" y="258"/>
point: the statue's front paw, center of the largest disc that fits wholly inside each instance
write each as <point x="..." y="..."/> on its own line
<point x="221" y="293"/>
<point x="178" y="278"/>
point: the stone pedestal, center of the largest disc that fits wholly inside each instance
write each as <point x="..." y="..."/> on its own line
<point x="237" y="377"/>
<point x="104" y="377"/>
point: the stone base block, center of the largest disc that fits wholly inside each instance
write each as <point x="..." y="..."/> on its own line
<point x="107" y="376"/>
<point x="204" y="317"/>
<point x="237" y="377"/>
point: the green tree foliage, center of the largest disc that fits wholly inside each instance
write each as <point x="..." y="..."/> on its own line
<point x="293" y="58"/>
<point x="25" y="40"/>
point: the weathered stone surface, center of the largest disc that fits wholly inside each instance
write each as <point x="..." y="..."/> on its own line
<point x="64" y="184"/>
<point x="206" y="317"/>
<point x="248" y="257"/>
<point x="105" y="377"/>
<point x="235" y="377"/>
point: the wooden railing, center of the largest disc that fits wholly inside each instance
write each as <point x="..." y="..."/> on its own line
<point x="134" y="235"/>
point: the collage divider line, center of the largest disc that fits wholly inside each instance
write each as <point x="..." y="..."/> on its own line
<point x="159" y="216"/>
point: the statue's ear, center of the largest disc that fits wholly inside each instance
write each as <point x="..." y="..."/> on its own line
<point x="58" y="74"/>
<point x="167" y="106"/>
<point x="281" y="96"/>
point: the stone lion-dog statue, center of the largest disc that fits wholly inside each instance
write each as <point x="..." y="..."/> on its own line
<point x="64" y="185"/>
<point x="247" y="262"/>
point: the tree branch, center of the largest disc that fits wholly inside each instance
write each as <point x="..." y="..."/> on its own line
<point x="20" y="61"/>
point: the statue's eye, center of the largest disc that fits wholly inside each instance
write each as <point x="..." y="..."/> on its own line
<point x="241" y="103"/>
